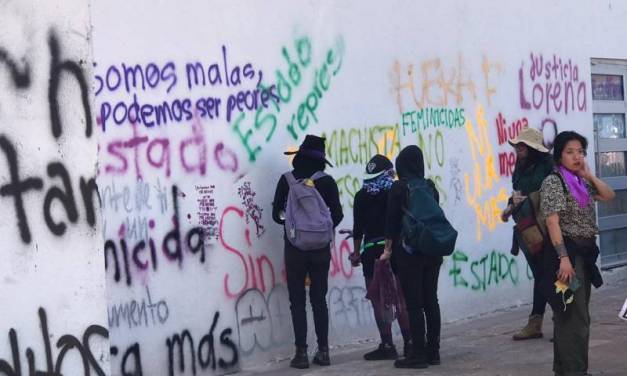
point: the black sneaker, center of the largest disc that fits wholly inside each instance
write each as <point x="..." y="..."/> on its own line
<point x="417" y="362"/>
<point x="300" y="360"/>
<point x="322" y="357"/>
<point x="385" y="351"/>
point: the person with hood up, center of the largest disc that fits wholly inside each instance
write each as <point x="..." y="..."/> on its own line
<point x="309" y="159"/>
<point x="369" y="209"/>
<point x="417" y="272"/>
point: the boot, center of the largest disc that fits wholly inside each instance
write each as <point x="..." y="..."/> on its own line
<point x="407" y="349"/>
<point x="416" y="359"/>
<point x="322" y="357"/>
<point x="433" y="353"/>
<point x="533" y="329"/>
<point x="385" y="351"/>
<point x="300" y="360"/>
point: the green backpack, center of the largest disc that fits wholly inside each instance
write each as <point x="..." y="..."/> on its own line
<point x="425" y="227"/>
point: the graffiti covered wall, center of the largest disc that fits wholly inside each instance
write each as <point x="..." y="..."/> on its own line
<point x="194" y="110"/>
<point x="52" y="282"/>
<point x="192" y="107"/>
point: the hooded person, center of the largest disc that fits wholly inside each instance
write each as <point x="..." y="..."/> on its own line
<point x="369" y="215"/>
<point x="308" y="160"/>
<point x="418" y="273"/>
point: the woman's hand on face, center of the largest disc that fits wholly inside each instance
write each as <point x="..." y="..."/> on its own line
<point x="585" y="172"/>
<point x="566" y="271"/>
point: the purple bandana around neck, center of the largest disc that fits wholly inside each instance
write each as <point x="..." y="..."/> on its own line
<point x="577" y="187"/>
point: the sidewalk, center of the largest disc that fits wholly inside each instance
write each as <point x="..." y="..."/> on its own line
<point x="483" y="346"/>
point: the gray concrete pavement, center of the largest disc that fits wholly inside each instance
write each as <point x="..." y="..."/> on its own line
<point x="483" y="345"/>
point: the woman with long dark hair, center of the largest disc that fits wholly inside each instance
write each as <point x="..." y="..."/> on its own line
<point x="567" y="203"/>
<point x="533" y="164"/>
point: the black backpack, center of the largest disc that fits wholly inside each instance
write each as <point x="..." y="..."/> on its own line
<point x="425" y="228"/>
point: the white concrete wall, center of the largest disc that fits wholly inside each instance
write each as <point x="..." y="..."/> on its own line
<point x="357" y="73"/>
<point x="52" y="282"/>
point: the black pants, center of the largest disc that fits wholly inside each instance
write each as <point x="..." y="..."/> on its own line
<point x="535" y="264"/>
<point x="419" y="280"/>
<point x="539" y="300"/>
<point x="299" y="264"/>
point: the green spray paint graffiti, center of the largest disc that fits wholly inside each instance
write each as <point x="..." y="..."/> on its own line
<point x="426" y="118"/>
<point x="494" y="269"/>
<point x="287" y="83"/>
<point x="348" y="186"/>
<point x="358" y="145"/>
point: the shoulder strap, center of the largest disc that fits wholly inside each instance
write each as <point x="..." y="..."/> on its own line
<point x="291" y="180"/>
<point x="410" y="189"/>
<point x="559" y="176"/>
<point x="317" y="175"/>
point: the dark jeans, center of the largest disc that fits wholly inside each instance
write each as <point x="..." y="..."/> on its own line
<point x="539" y="301"/>
<point x="299" y="264"/>
<point x="419" y="280"/>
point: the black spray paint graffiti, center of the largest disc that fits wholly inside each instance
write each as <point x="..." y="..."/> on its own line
<point x="182" y="347"/>
<point x="21" y="79"/>
<point x="253" y="211"/>
<point x="262" y="323"/>
<point x="207" y="357"/>
<point x="18" y="187"/>
<point x="207" y="211"/>
<point x="65" y="344"/>
<point x="171" y="247"/>
<point x="132" y="354"/>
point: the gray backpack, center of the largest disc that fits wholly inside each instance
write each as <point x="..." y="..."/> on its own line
<point x="308" y="223"/>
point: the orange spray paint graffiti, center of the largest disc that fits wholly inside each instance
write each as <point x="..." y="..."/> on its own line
<point x="479" y="187"/>
<point x="441" y="84"/>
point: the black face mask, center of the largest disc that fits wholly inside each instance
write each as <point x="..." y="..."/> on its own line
<point x="410" y="163"/>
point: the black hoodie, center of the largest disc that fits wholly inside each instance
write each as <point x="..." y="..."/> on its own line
<point x="409" y="165"/>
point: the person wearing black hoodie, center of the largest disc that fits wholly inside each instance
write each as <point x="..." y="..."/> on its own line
<point x="369" y="208"/>
<point x="309" y="159"/>
<point x="417" y="272"/>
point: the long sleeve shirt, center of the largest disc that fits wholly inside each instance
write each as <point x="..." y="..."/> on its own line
<point x="369" y="215"/>
<point x="326" y="186"/>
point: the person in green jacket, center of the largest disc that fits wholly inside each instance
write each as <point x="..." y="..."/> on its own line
<point x="533" y="164"/>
